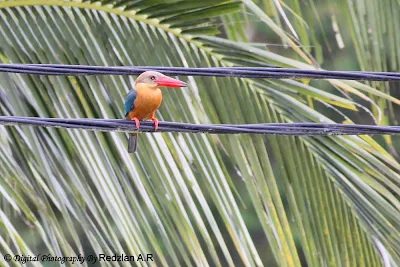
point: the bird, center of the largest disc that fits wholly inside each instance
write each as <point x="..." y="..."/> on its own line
<point x="144" y="99"/>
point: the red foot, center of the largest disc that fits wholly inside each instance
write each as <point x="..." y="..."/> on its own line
<point x="136" y="122"/>
<point x="155" y="123"/>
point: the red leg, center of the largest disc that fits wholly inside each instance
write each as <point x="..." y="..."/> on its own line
<point x="136" y="122"/>
<point x="155" y="123"/>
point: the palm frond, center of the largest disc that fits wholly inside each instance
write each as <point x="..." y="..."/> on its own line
<point x="177" y="198"/>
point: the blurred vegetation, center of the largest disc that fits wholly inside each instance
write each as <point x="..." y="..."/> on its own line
<point x="196" y="199"/>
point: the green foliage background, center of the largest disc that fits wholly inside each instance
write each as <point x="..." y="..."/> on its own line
<point x="199" y="200"/>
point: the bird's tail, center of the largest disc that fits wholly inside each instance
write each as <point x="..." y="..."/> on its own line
<point x="132" y="143"/>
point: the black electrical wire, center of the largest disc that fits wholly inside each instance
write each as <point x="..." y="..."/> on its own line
<point x="122" y="125"/>
<point x="248" y="72"/>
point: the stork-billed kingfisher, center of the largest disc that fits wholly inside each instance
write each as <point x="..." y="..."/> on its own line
<point x="142" y="101"/>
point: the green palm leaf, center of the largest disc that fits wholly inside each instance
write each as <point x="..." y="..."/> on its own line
<point x="81" y="192"/>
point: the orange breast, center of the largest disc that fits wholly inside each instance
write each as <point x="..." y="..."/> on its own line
<point x="146" y="103"/>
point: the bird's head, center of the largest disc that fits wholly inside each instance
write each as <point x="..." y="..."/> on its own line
<point x="155" y="79"/>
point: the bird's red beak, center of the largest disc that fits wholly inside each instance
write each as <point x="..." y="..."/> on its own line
<point x="170" y="82"/>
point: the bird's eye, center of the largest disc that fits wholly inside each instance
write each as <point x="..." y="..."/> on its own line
<point x="152" y="77"/>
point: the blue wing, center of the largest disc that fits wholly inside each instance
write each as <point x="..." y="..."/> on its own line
<point x="130" y="101"/>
